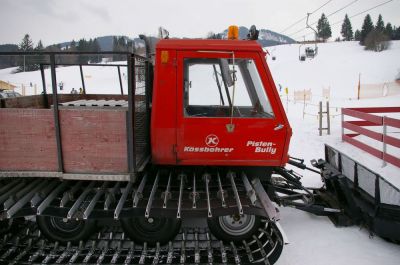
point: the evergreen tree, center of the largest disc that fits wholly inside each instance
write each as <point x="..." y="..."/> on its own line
<point x="25" y="63"/>
<point x="89" y="45"/>
<point x="26" y="44"/>
<point x="39" y="46"/>
<point x="72" y="46"/>
<point x="95" y="47"/>
<point x="389" y="30"/>
<point x="55" y="48"/>
<point x="71" y="58"/>
<point x="323" y="28"/>
<point x="380" y="25"/>
<point x="357" y="35"/>
<point x="396" y="33"/>
<point x="40" y="58"/>
<point x="8" y="61"/>
<point x="212" y="35"/>
<point x="82" y="47"/>
<point x="119" y="45"/>
<point x="367" y="27"/>
<point x="115" y="48"/>
<point x="347" y="31"/>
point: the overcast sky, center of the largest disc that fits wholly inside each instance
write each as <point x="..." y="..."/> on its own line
<point x="54" y="21"/>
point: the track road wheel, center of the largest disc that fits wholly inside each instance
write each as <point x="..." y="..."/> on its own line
<point x="235" y="227"/>
<point x="151" y="230"/>
<point x="238" y="228"/>
<point x="63" y="230"/>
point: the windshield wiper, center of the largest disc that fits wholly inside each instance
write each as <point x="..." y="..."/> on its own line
<point x="219" y="85"/>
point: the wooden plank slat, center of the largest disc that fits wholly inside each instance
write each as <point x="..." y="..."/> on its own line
<point x="377" y="109"/>
<point x="362" y="146"/>
<point x="94" y="140"/>
<point x="27" y="140"/>
<point x="392" y="141"/>
<point x="392" y="160"/>
<point x="392" y="122"/>
<point x="363" y="131"/>
<point x="361" y="115"/>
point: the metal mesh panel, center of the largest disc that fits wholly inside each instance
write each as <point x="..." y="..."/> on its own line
<point x="348" y="167"/>
<point x="366" y="180"/>
<point x="389" y="194"/>
<point x="141" y="118"/>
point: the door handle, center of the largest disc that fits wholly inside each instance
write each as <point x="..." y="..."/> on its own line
<point x="278" y="127"/>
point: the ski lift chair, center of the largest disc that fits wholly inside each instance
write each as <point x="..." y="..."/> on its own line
<point x="310" y="52"/>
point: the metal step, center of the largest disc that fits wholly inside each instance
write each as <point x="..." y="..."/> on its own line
<point x="159" y="193"/>
<point x="193" y="245"/>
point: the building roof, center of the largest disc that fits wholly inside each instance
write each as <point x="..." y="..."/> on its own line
<point x="6" y="85"/>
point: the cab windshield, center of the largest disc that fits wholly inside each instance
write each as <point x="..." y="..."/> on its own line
<point x="212" y="86"/>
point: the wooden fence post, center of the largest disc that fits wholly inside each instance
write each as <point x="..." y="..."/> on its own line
<point x="320" y="118"/>
<point x="328" y="118"/>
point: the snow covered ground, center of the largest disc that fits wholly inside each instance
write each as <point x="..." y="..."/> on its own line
<point x="314" y="240"/>
<point x="337" y="67"/>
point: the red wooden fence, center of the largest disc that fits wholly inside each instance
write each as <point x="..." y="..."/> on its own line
<point x="366" y="119"/>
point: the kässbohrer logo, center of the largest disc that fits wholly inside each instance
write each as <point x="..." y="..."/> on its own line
<point x="212" y="140"/>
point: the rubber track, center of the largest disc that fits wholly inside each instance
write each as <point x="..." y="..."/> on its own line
<point x="109" y="246"/>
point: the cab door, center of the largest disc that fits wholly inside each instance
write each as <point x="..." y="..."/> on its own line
<point x="227" y="111"/>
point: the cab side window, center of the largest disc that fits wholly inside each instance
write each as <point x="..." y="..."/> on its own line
<point x="220" y="87"/>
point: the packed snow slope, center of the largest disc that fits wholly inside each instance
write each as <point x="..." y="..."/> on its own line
<point x="98" y="79"/>
<point x="314" y="240"/>
<point x="337" y="67"/>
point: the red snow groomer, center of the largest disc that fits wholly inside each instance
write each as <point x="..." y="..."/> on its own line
<point x="189" y="160"/>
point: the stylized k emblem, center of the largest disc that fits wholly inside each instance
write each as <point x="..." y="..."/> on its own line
<point x="212" y="140"/>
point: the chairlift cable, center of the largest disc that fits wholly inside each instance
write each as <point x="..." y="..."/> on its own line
<point x="295" y="23"/>
<point x="320" y="7"/>
<point x="360" y="13"/>
<point x="338" y="10"/>
<point x="298" y="21"/>
<point x="384" y="3"/>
